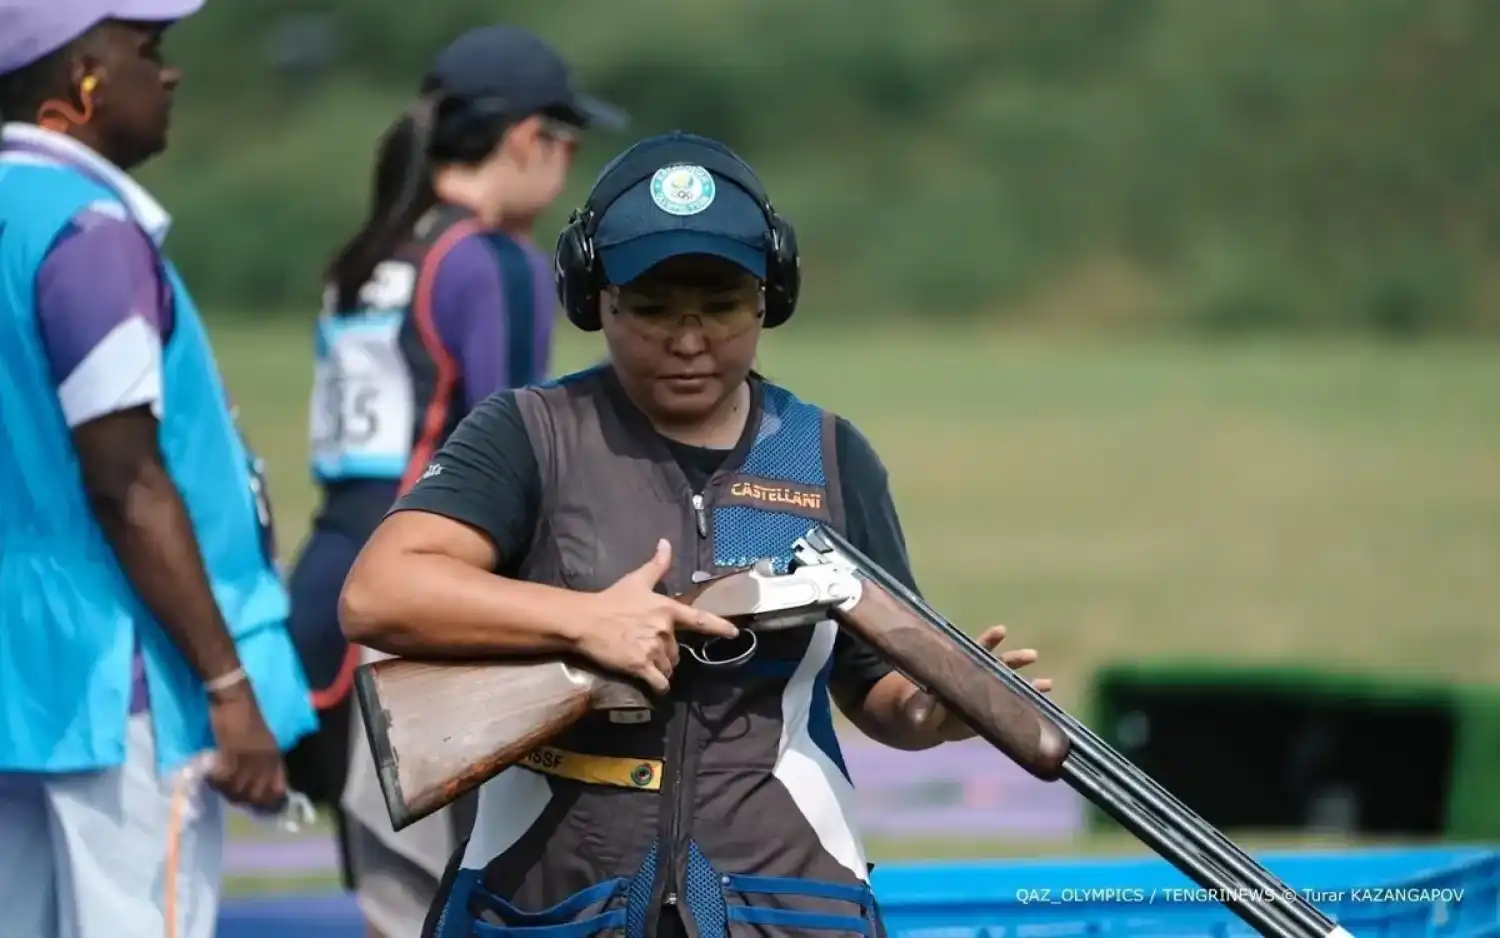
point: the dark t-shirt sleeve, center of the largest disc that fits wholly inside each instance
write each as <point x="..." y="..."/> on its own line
<point x="874" y="528"/>
<point x="486" y="476"/>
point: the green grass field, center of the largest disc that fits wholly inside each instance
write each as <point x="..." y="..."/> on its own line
<point x="1335" y="505"/>
<point x="1329" y="504"/>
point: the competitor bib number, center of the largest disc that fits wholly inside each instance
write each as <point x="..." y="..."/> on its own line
<point x="351" y="419"/>
<point x="363" y="412"/>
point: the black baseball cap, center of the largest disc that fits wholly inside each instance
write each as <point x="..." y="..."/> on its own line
<point x="512" y="71"/>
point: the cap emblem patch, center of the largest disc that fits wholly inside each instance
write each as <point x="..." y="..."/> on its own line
<point x="682" y="190"/>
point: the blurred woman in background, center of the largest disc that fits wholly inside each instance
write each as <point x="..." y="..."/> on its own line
<point x="439" y="300"/>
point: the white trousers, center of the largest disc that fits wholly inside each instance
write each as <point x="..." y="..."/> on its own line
<point x="117" y="853"/>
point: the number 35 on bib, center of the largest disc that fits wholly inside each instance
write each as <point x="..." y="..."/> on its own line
<point x="363" y="413"/>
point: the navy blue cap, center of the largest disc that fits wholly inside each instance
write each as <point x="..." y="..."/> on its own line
<point x="513" y="71"/>
<point x="682" y="209"/>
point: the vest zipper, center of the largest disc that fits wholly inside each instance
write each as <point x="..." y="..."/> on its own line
<point x="672" y="793"/>
<point x="673" y="796"/>
<point x="700" y="515"/>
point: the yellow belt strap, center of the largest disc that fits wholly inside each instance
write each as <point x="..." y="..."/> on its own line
<point x="619" y="771"/>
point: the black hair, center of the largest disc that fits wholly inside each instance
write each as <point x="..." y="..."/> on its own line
<point x="402" y="193"/>
<point x="437" y="130"/>
<point x="24" y="90"/>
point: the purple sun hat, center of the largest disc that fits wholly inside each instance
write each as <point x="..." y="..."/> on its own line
<point x="32" y="29"/>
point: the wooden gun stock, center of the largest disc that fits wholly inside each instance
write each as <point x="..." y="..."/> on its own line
<point x="439" y="729"/>
<point x="965" y="686"/>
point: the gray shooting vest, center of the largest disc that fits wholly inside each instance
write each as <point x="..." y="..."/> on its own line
<point x="732" y="803"/>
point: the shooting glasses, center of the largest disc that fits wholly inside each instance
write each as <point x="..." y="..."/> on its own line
<point x="724" y="315"/>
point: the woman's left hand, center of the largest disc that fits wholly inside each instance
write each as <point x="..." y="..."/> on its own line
<point x="931" y="718"/>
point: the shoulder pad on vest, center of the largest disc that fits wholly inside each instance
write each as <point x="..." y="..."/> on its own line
<point x="431" y="227"/>
<point x="796" y="453"/>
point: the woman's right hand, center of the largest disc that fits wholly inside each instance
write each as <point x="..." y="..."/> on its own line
<point x="632" y="629"/>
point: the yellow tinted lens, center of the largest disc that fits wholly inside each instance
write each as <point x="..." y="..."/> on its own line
<point x="728" y="324"/>
<point x="717" y="324"/>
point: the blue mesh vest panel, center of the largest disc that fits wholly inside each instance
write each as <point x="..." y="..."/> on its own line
<point x="788" y="447"/>
<point x="639" y="902"/>
<point x="705" y="895"/>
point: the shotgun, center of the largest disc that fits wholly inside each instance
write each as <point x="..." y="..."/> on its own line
<point x="439" y="728"/>
<point x="956" y="670"/>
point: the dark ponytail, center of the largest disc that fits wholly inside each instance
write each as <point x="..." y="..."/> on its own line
<point x="402" y="194"/>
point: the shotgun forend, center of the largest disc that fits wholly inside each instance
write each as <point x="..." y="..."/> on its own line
<point x="940" y="659"/>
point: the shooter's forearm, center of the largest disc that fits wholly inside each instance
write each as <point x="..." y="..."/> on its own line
<point x="884" y="715"/>
<point x="434" y="606"/>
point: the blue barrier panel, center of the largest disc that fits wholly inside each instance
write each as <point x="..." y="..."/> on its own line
<point x="1389" y="893"/>
<point x="291" y="917"/>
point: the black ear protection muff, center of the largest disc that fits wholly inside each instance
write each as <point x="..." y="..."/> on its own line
<point x="580" y="276"/>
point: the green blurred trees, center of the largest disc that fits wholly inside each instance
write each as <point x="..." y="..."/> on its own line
<point x="1321" y="165"/>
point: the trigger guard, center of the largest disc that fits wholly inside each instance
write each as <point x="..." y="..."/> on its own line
<point x="702" y="656"/>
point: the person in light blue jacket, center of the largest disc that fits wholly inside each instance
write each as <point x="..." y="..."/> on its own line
<point x="142" y="615"/>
